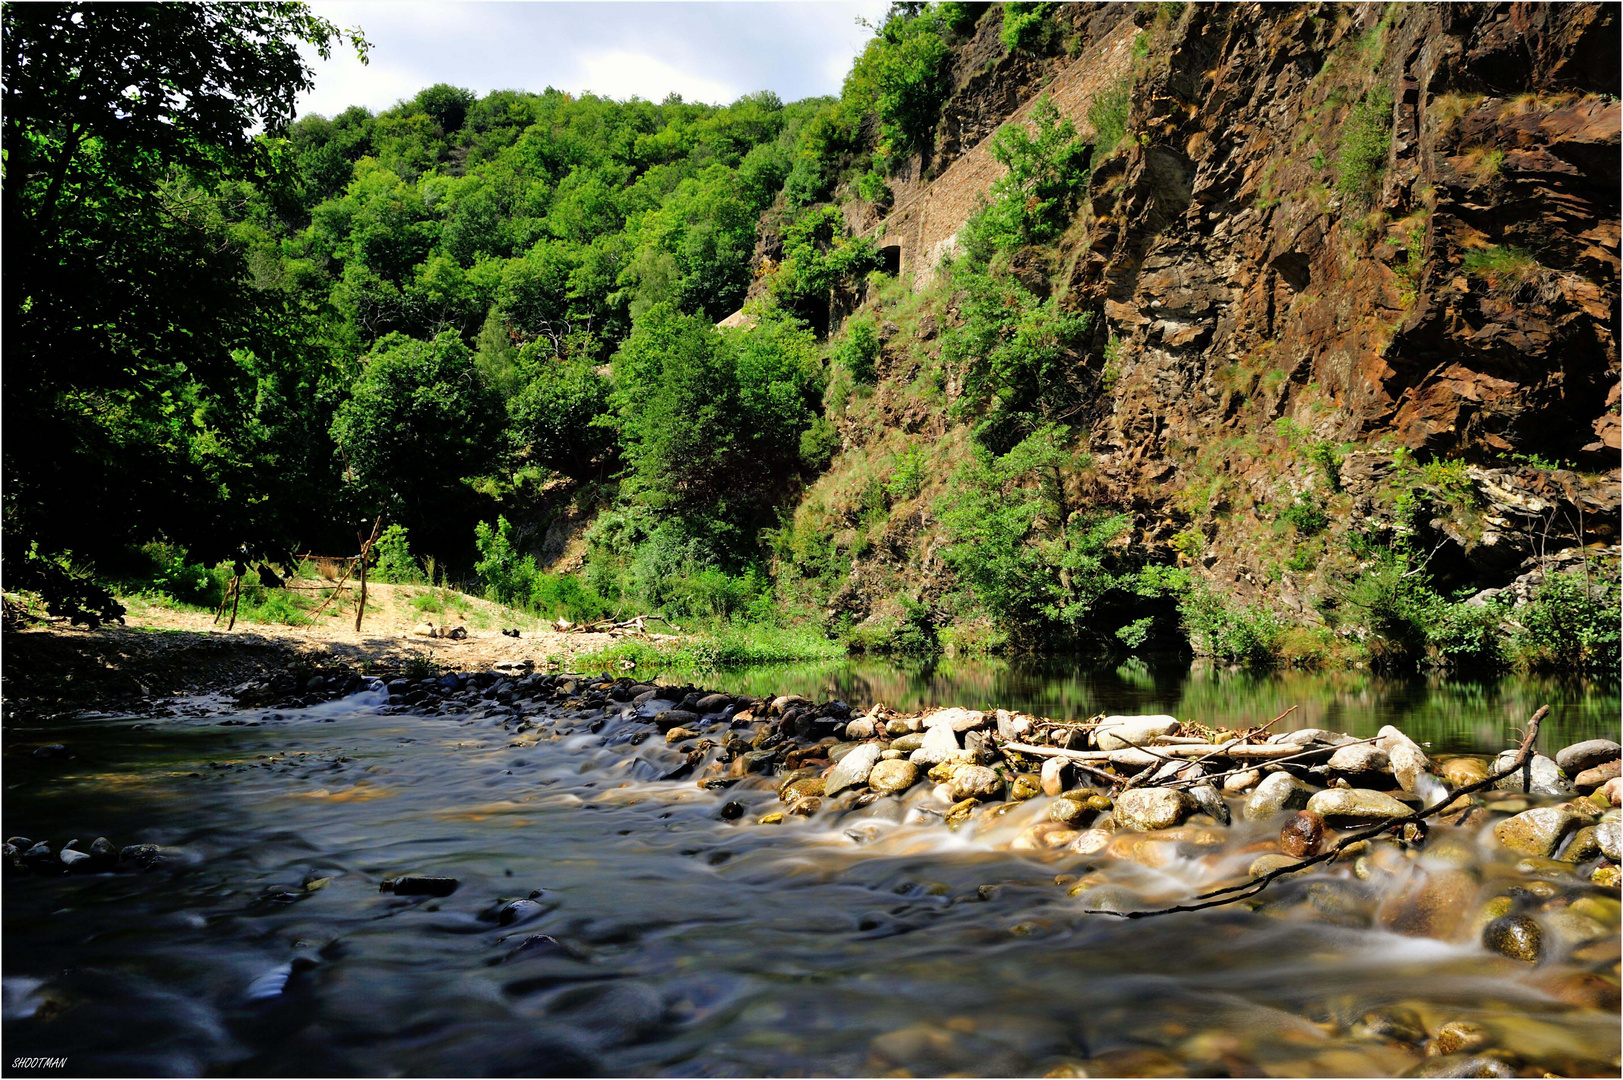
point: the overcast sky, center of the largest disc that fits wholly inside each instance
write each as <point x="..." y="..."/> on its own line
<point x="711" y="52"/>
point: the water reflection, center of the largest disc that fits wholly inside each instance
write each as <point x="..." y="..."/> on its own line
<point x="1453" y="715"/>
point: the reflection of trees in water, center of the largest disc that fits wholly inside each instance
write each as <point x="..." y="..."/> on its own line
<point x="1452" y="714"/>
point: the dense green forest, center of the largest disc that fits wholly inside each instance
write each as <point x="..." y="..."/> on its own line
<point x="464" y="313"/>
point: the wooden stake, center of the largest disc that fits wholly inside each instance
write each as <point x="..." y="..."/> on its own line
<point x="366" y="551"/>
<point x="236" y="598"/>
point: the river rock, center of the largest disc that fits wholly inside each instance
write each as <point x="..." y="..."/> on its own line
<point x="1360" y="762"/>
<point x="1468" y="1065"/>
<point x="1277" y="793"/>
<point x="1432" y="904"/>
<point x="893" y="777"/>
<point x="1461" y="1037"/>
<point x="1302" y="835"/>
<point x="1390" y="1022"/>
<point x="852" y="769"/>
<point x="1589" y="779"/>
<point x="955" y="720"/>
<point x="677" y="734"/>
<point x="1464" y="771"/>
<point x="1356" y="804"/>
<point x="1267" y="864"/>
<point x="975" y="782"/>
<point x="519" y="911"/>
<point x="712" y="703"/>
<point x="1148" y="809"/>
<point x="1120" y="732"/>
<point x="1607" y="835"/>
<point x="1069" y="811"/>
<point x="909" y="742"/>
<point x="103" y="851"/>
<point x="1024" y="787"/>
<point x="939" y="744"/>
<point x="1538" y="831"/>
<point x="1515" y="936"/>
<point x="1540" y="776"/>
<point x="1012" y="728"/>
<point x="861" y="728"/>
<point x="1305" y="737"/>
<point x="1579" y="756"/>
<point x="74" y="860"/>
<point x="1613" y="790"/>
<point x="1582" y="847"/>
<point x="1210" y="802"/>
<point x="1056" y="773"/>
<point x="1241" y="782"/>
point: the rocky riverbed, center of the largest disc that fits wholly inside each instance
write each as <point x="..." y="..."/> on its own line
<point x="1490" y="927"/>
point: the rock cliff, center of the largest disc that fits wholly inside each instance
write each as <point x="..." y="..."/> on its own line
<point x="1339" y="240"/>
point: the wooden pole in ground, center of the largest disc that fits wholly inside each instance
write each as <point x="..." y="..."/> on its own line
<point x="366" y="550"/>
<point x="236" y="598"/>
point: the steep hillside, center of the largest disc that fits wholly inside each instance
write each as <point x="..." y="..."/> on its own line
<point x="1353" y="281"/>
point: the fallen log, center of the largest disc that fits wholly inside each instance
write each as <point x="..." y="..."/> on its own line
<point x="1232" y="749"/>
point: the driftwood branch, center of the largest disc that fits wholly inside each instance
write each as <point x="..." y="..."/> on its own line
<point x="1232" y="893"/>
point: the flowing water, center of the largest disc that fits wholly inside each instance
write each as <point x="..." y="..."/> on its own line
<point x="866" y="942"/>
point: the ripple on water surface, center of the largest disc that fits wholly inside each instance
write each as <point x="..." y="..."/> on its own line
<point x="657" y="937"/>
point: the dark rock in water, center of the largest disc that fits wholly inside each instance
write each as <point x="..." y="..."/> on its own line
<point x="52" y="752"/>
<point x="732" y="811"/>
<point x="102" y="850"/>
<point x="675" y="718"/>
<point x="1211" y="802"/>
<point x="40" y="856"/>
<point x="140" y="856"/>
<point x="75" y="860"/>
<point x="537" y="945"/>
<point x="519" y="911"/>
<point x="1515" y="936"/>
<point x="1392" y="1023"/>
<point x="712" y="703"/>
<point x="1302" y="835"/>
<point x="420" y="886"/>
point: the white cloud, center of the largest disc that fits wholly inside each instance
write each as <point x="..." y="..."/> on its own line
<point x="707" y="51"/>
<point x="623" y="74"/>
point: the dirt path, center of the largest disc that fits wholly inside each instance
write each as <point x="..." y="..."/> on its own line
<point x="162" y="651"/>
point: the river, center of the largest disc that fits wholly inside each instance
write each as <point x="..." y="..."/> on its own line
<point x="679" y="942"/>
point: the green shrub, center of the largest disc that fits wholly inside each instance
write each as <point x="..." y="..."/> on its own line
<point x="1465" y="637"/>
<point x="916" y="634"/>
<point x="1307" y="514"/>
<point x="1024" y="24"/>
<point x="1393" y="607"/>
<point x="1035" y="559"/>
<point x="908" y="479"/>
<point x="1327" y="457"/>
<point x="169" y="574"/>
<point x="1108" y="115"/>
<point x="508" y="576"/>
<point x="1366" y="139"/>
<point x="1237" y="635"/>
<point x="395" y="563"/>
<point x="858" y="349"/>
<point x="871" y="186"/>
<point x="1034" y="201"/>
<point x="1570" y="624"/>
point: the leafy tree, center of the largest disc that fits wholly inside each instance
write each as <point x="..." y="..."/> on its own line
<point x="1036" y="559"/>
<point x="1020" y="358"/>
<point x="553" y="415"/>
<point x="710" y="424"/>
<point x="419" y="421"/>
<point x="126" y="306"/>
<point x="1047" y="175"/>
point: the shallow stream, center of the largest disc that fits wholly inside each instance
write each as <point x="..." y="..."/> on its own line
<point x="861" y="942"/>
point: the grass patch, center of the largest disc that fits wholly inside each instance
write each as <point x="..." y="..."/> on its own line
<point x="727" y="646"/>
<point x="1501" y="267"/>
